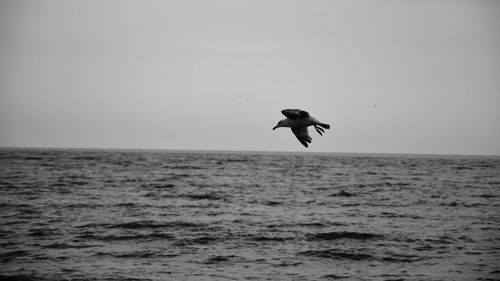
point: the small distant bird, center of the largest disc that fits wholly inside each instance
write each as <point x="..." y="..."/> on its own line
<point x="298" y="120"/>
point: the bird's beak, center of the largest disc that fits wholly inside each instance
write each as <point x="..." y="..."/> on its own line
<point x="275" y="127"/>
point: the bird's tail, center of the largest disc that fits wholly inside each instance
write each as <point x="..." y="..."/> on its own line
<point x="326" y="126"/>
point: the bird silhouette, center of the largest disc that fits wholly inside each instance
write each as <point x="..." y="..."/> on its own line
<point x="298" y="120"/>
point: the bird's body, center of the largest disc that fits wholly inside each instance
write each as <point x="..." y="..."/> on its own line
<point x="298" y="120"/>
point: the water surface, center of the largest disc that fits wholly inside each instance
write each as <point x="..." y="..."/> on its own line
<point x="153" y="215"/>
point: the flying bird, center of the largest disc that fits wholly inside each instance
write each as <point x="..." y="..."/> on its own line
<point x="298" y="120"/>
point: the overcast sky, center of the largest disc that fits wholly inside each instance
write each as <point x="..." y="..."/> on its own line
<point x="389" y="76"/>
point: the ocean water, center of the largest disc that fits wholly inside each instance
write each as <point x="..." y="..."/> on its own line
<point x="167" y="215"/>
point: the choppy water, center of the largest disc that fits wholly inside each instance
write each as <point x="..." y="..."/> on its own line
<point x="138" y="215"/>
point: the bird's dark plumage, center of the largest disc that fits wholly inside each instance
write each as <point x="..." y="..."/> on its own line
<point x="302" y="135"/>
<point x="295" y="113"/>
<point x="298" y="120"/>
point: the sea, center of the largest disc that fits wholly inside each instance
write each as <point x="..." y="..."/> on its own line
<point x="68" y="214"/>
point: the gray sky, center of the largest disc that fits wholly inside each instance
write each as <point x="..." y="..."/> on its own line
<point x="389" y="76"/>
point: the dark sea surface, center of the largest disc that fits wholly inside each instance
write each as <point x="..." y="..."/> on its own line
<point x="167" y="215"/>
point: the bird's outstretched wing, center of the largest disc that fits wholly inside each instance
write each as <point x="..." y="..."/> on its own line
<point x="302" y="135"/>
<point x="295" y="113"/>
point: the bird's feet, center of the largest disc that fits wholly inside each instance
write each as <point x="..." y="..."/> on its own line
<point x="319" y="130"/>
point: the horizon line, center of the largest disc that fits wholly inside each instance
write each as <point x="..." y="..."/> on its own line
<point x="242" y="151"/>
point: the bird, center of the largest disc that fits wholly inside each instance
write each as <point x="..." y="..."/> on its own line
<point x="298" y="120"/>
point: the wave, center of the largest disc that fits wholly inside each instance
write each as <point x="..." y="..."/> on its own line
<point x="359" y="256"/>
<point x="119" y="278"/>
<point x="205" y="240"/>
<point x="306" y="224"/>
<point x="185" y="167"/>
<point x="204" y="196"/>
<point x="271" y="239"/>
<point x="134" y="254"/>
<point x="68" y="246"/>
<point x="401" y="258"/>
<point x="150" y="236"/>
<point x="224" y="259"/>
<point x="487" y="196"/>
<point x="154" y="224"/>
<point x="21" y="277"/>
<point x="158" y="185"/>
<point x="127" y="205"/>
<point x="334" y="276"/>
<point x="287" y="264"/>
<point x="343" y="235"/>
<point x="335" y="254"/>
<point x="43" y="232"/>
<point x="33" y="158"/>
<point x="272" y="203"/>
<point x="7" y="256"/>
<point x="397" y="215"/>
<point x="237" y="160"/>
<point x="343" y="193"/>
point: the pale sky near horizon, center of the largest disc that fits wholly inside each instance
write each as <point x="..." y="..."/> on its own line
<point x="389" y="76"/>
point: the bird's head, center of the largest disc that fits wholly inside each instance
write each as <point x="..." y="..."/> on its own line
<point x="281" y="123"/>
